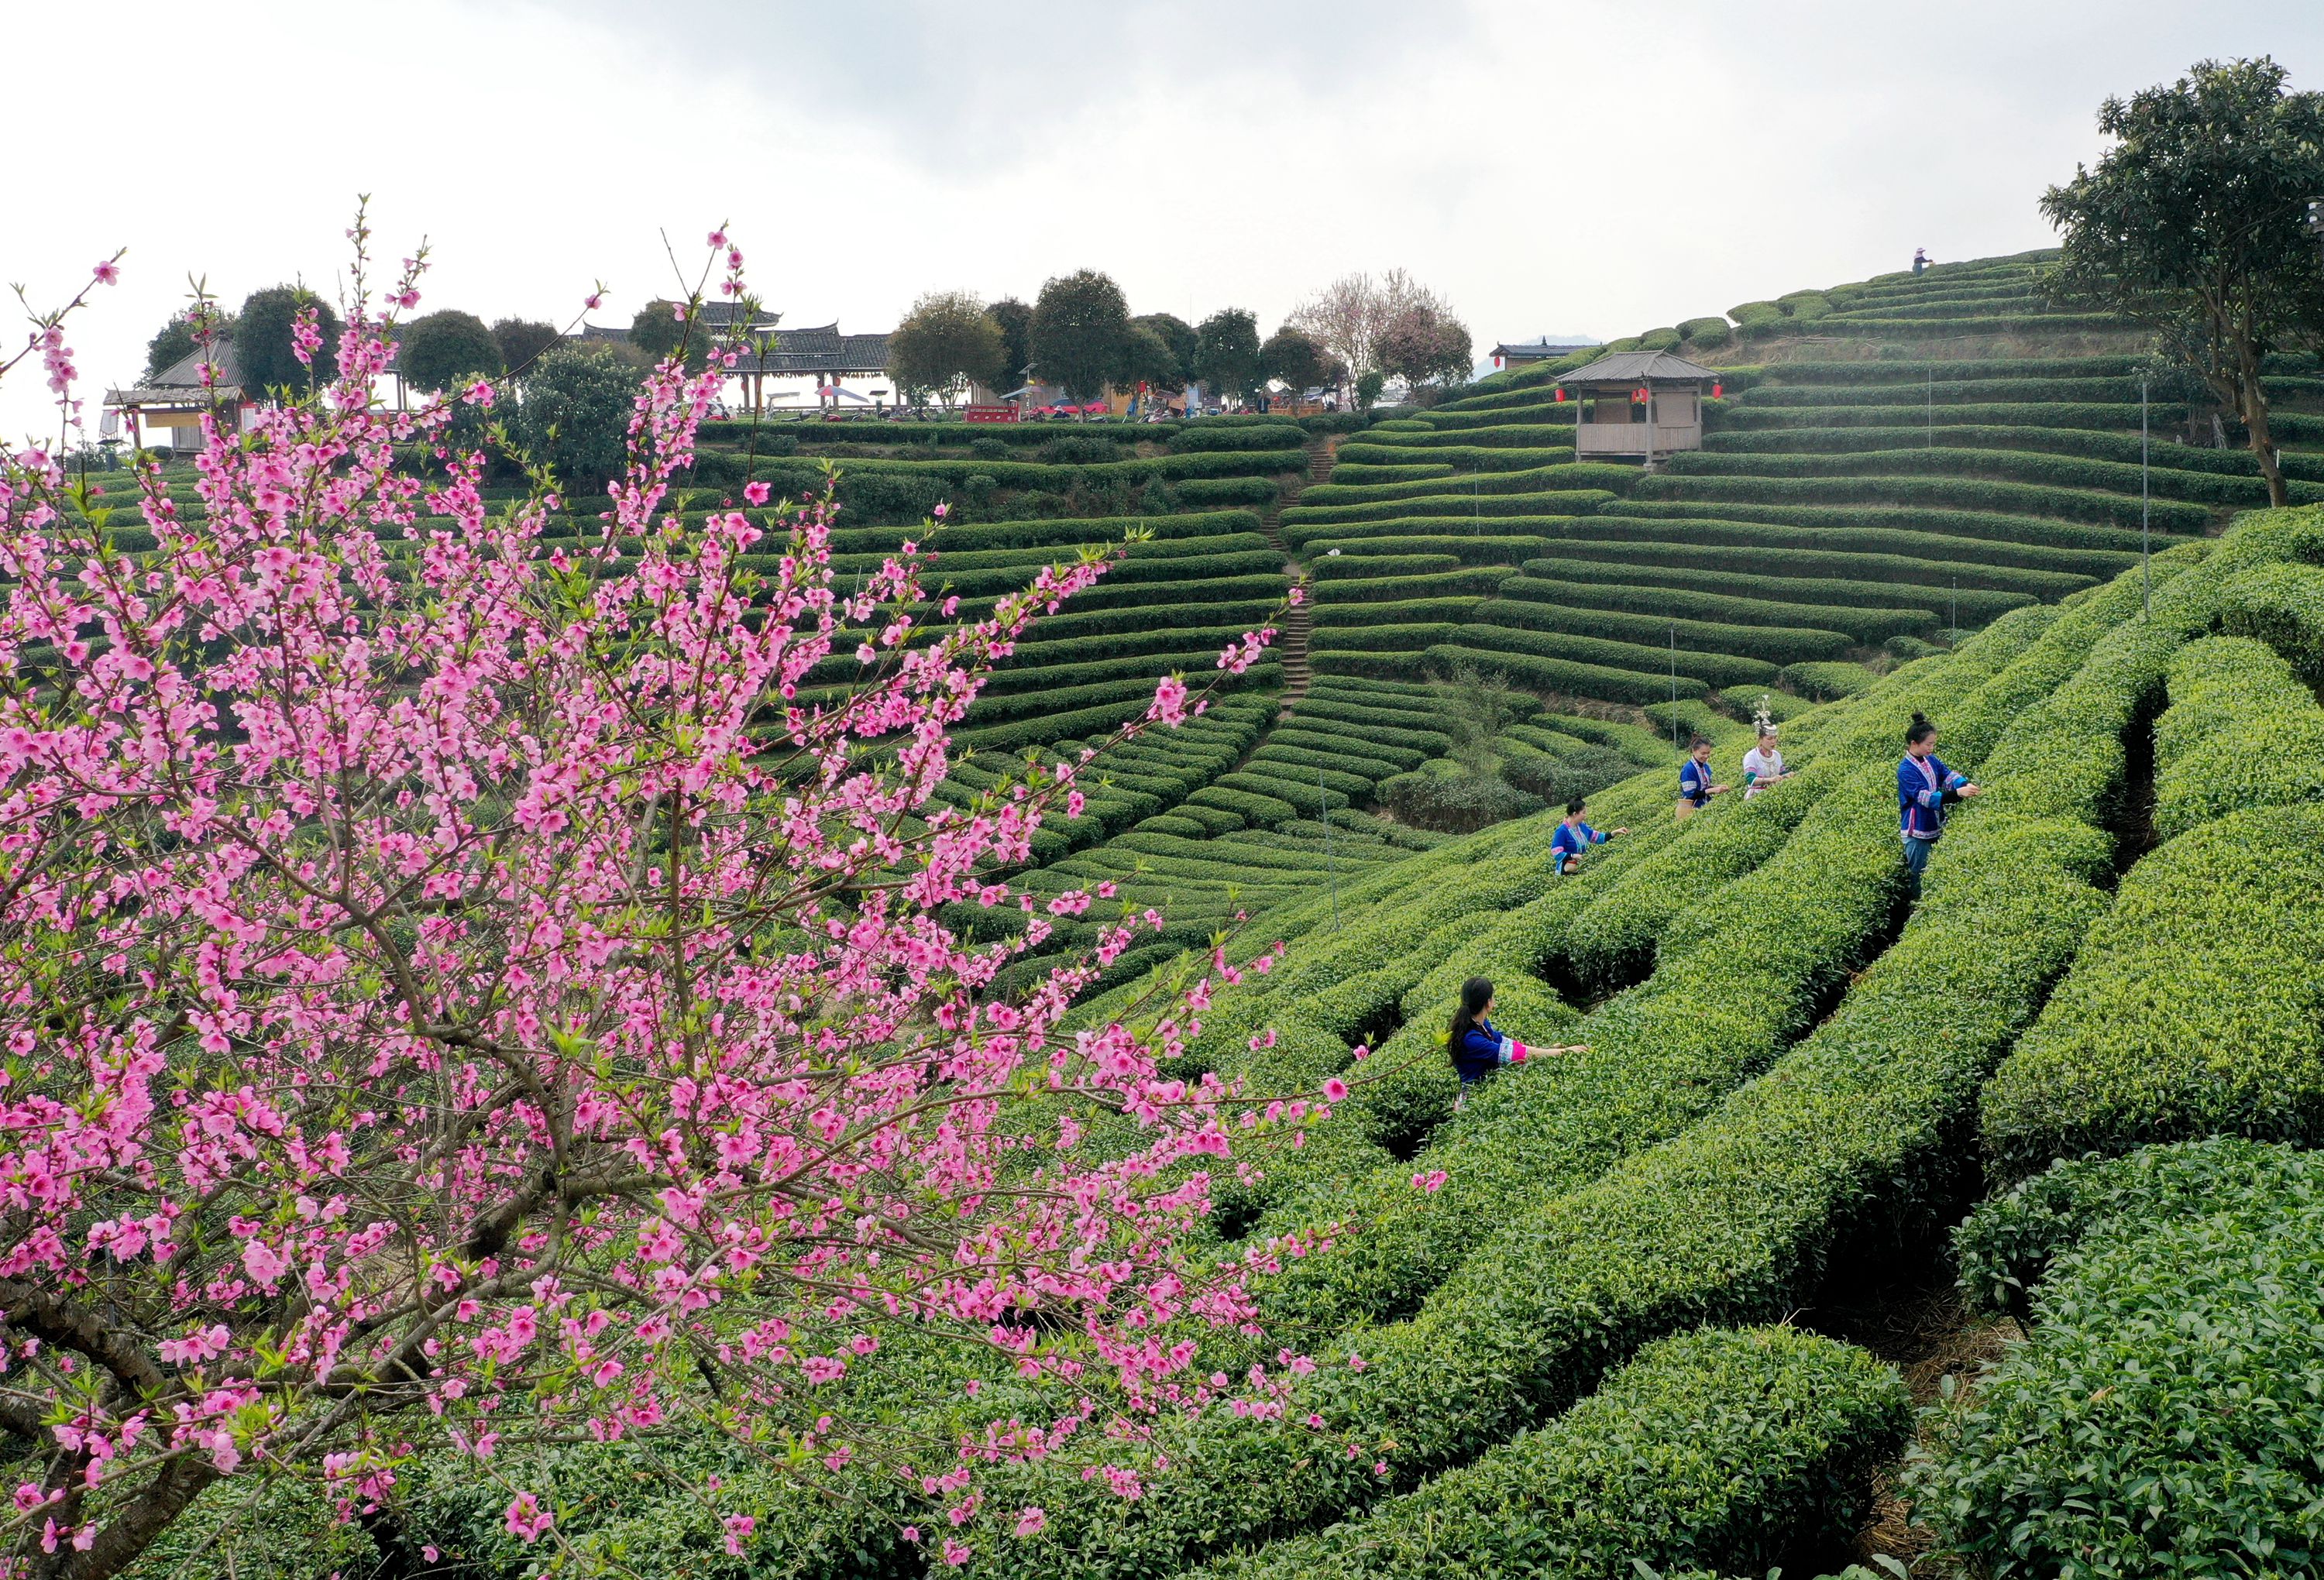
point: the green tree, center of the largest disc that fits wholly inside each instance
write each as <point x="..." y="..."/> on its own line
<point x="438" y="350"/>
<point x="657" y="331"/>
<point x="1226" y="352"/>
<point x="1178" y="335"/>
<point x="2192" y="224"/>
<point x="521" y="341"/>
<point x="1014" y="319"/>
<point x="1369" y="386"/>
<point x="1146" y="359"/>
<point x="263" y="347"/>
<point x="1294" y="358"/>
<point x="172" y="343"/>
<point x="575" y="413"/>
<point x="1079" y="323"/>
<point x="946" y="342"/>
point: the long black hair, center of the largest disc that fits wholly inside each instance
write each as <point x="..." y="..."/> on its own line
<point x="1919" y="730"/>
<point x="1475" y="994"/>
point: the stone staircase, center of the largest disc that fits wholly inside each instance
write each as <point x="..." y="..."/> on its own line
<point x="1299" y="622"/>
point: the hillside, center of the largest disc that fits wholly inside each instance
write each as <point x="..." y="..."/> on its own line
<point x="1612" y="1309"/>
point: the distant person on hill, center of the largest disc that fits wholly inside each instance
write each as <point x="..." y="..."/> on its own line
<point x="1695" y="787"/>
<point x="1762" y="765"/>
<point x="1925" y="788"/>
<point x="1920" y="258"/>
<point x="1573" y="837"/>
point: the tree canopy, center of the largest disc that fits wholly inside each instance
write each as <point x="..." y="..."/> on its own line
<point x="1294" y="358"/>
<point x="2193" y="223"/>
<point x="1078" y="326"/>
<point x="264" y="349"/>
<point x="1226" y="352"/>
<point x="1177" y="337"/>
<point x="1424" y="344"/>
<point x="172" y="343"/>
<point x="521" y="341"/>
<point x="657" y="331"/>
<point x="575" y="413"/>
<point x="1146" y="359"/>
<point x="945" y="343"/>
<point x="1014" y="319"/>
<point x="437" y="350"/>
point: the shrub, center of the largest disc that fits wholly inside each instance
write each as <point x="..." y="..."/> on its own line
<point x="1774" y="644"/>
<point x="1588" y="680"/>
<point x="575" y="414"/>
<point x="1442" y="797"/>
<point x="1715" y="669"/>
<point x="2283" y="605"/>
<point x="1827" y="681"/>
<point x="2190" y="1295"/>
<point x="2241" y="731"/>
<point x="2120" y="511"/>
<point x="1727" y="1449"/>
<point x="1706" y="333"/>
<point x="1865" y="625"/>
<point x="2152" y="1039"/>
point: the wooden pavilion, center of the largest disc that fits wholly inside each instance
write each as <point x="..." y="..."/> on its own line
<point x="176" y="399"/>
<point x="1642" y="403"/>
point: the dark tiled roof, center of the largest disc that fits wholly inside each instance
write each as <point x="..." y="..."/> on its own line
<point x="1628" y="367"/>
<point x="822" y="349"/>
<point x="1539" y="348"/>
<point x="180" y="383"/>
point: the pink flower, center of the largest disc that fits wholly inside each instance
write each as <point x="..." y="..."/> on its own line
<point x="956" y="1552"/>
<point x="1032" y="1522"/>
<point x="1431" y="1182"/>
<point x="756" y="493"/>
<point x="1334" y="1089"/>
<point x="911" y="1533"/>
<point x="527" y="1520"/>
<point x="108" y="272"/>
<point x="737" y="1525"/>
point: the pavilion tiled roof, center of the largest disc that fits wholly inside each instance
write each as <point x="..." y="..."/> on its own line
<point x="1631" y="367"/>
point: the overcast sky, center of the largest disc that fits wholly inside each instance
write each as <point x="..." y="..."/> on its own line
<point x="1548" y="167"/>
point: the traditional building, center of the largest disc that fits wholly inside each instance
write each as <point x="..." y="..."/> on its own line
<point x="1642" y="403"/>
<point x="823" y="354"/>
<point x="1507" y="355"/>
<point x="168" y="407"/>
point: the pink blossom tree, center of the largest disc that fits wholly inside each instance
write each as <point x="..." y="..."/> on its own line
<point x="460" y="985"/>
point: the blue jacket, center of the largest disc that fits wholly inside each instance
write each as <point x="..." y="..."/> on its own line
<point x="1480" y="1050"/>
<point x="1572" y="841"/>
<point x="1922" y="806"/>
<point x="1694" y="782"/>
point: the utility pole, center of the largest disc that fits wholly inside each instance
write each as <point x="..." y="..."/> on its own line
<point x="1324" y="806"/>
<point x="1930" y="409"/>
<point x="2145" y="576"/>
<point x="1674" y="679"/>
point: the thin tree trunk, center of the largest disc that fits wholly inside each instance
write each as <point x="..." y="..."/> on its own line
<point x="2255" y="416"/>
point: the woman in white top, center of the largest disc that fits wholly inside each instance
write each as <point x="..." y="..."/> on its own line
<point x="1762" y="765"/>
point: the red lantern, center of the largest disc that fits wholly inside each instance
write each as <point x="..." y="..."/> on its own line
<point x="1497" y="361"/>
<point x="1639" y="396"/>
<point x="1561" y="393"/>
<point x="1716" y="389"/>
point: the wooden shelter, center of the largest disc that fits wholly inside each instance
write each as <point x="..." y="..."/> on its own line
<point x="176" y="399"/>
<point x="1642" y="403"/>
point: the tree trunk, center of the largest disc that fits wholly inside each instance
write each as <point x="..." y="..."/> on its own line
<point x="137" y="1524"/>
<point x="2255" y="416"/>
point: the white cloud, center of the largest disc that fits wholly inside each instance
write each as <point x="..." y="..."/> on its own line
<point x="1548" y="167"/>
